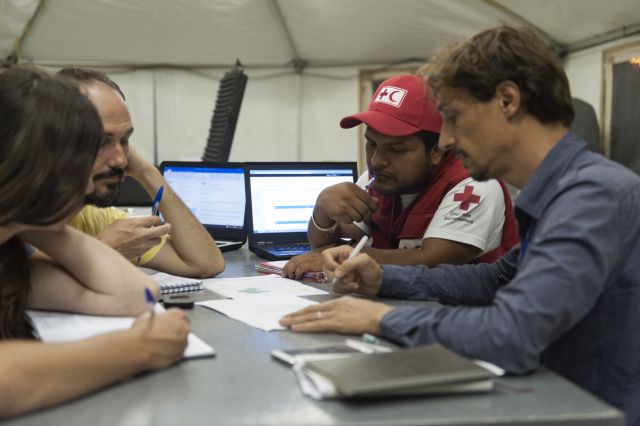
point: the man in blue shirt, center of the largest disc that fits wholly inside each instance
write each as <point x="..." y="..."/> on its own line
<point x="568" y="297"/>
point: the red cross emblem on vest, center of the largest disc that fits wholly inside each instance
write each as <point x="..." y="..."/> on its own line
<point x="467" y="197"/>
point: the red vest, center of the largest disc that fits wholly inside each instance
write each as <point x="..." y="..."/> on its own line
<point x="389" y="226"/>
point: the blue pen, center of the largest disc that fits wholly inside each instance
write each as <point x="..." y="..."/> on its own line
<point x="151" y="300"/>
<point x="156" y="201"/>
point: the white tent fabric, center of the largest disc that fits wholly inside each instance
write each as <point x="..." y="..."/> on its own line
<point x="303" y="58"/>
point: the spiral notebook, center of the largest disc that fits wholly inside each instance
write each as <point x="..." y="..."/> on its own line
<point x="174" y="284"/>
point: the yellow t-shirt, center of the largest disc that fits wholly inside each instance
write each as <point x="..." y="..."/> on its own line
<point x="91" y="220"/>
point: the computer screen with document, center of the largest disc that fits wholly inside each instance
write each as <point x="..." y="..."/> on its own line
<point x="214" y="192"/>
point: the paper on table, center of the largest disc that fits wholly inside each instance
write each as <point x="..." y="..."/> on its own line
<point x="276" y="267"/>
<point x="264" y="285"/>
<point x="262" y="311"/>
<point x="66" y="327"/>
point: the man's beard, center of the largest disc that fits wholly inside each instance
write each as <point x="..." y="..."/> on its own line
<point x="105" y="195"/>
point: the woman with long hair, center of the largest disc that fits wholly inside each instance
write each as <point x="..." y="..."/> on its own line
<point x="49" y="136"/>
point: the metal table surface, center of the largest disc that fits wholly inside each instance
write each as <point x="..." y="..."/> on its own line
<point x="243" y="385"/>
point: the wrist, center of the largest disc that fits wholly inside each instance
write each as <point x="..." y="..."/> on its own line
<point x="329" y="229"/>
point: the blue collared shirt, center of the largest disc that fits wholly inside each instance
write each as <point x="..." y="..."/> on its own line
<point x="571" y="301"/>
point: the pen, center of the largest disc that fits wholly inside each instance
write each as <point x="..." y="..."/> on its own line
<point x="371" y="181"/>
<point x="151" y="300"/>
<point x="156" y="201"/>
<point x="354" y="253"/>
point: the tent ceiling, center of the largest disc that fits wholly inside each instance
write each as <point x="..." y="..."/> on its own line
<point x="275" y="32"/>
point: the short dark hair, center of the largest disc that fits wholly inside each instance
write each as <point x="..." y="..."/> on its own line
<point x="429" y="139"/>
<point x="86" y="75"/>
<point x="478" y="65"/>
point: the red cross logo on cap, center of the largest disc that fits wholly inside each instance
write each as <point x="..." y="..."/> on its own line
<point x="466" y="198"/>
<point x="391" y="95"/>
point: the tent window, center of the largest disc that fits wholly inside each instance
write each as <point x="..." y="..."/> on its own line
<point x="622" y="105"/>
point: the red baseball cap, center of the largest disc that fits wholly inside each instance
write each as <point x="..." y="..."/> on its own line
<point x="401" y="106"/>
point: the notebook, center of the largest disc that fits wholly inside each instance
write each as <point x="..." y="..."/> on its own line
<point x="431" y="369"/>
<point x="214" y="192"/>
<point x="67" y="327"/>
<point x="173" y="284"/>
<point x="280" y="200"/>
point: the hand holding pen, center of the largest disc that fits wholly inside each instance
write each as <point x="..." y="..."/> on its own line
<point x="353" y="254"/>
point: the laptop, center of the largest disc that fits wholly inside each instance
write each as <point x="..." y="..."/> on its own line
<point x="280" y="200"/>
<point x="214" y="192"/>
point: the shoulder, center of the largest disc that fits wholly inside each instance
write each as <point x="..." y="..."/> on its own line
<point x="91" y="216"/>
<point x="483" y="192"/>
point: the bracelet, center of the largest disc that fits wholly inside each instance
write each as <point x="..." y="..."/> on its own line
<point x="329" y="230"/>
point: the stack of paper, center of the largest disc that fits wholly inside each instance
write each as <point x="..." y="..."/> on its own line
<point x="277" y="266"/>
<point x="424" y="370"/>
<point x="259" y="301"/>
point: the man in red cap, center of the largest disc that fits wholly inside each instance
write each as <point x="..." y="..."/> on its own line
<point x="416" y="201"/>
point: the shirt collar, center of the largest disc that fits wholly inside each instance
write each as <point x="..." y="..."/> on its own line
<point x="542" y="185"/>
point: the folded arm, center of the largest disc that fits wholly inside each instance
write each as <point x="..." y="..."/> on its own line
<point x="190" y="251"/>
<point x="75" y="272"/>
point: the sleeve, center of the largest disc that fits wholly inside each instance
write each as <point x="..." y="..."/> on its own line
<point x="471" y="213"/>
<point x="560" y="278"/>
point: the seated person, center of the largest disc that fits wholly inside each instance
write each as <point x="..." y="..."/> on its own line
<point x="568" y="296"/>
<point x="190" y="251"/>
<point x="49" y="136"/>
<point x="421" y="207"/>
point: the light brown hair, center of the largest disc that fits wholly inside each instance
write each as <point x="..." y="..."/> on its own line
<point x="478" y="65"/>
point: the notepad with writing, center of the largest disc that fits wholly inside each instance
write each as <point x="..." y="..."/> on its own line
<point x="67" y="327"/>
<point x="174" y="284"/>
<point x="431" y="369"/>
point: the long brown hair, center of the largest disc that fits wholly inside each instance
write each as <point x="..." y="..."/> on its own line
<point x="49" y="138"/>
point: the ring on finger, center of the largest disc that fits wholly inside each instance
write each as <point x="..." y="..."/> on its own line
<point x="318" y="315"/>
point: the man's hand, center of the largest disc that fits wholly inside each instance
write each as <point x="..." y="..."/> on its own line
<point x="134" y="236"/>
<point x="136" y="164"/>
<point x="345" y="315"/>
<point x="360" y="274"/>
<point x="163" y="337"/>
<point x="344" y="203"/>
<point x="299" y="265"/>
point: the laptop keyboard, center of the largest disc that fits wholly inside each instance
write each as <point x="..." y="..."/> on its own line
<point x="289" y="249"/>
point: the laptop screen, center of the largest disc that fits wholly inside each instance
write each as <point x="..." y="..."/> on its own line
<point x="214" y="194"/>
<point x="282" y="199"/>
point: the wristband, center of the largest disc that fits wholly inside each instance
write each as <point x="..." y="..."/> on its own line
<point x="329" y="230"/>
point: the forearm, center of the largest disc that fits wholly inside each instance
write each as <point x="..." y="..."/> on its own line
<point x="196" y="251"/>
<point x="39" y="374"/>
<point x="462" y="284"/>
<point x="100" y="277"/>
<point x="318" y="238"/>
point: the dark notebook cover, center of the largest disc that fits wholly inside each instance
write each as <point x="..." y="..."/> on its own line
<point x="405" y="371"/>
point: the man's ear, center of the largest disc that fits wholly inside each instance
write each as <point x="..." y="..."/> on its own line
<point x="436" y="155"/>
<point x="509" y="98"/>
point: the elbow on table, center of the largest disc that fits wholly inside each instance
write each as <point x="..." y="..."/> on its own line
<point x="516" y="358"/>
<point x="208" y="269"/>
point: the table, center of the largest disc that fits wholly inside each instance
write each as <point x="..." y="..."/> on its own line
<point x="243" y="385"/>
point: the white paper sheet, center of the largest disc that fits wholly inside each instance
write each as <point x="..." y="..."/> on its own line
<point x="66" y="327"/>
<point x="235" y="288"/>
<point x="262" y="311"/>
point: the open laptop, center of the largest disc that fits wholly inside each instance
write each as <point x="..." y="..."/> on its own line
<point x="280" y="200"/>
<point x="214" y="192"/>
